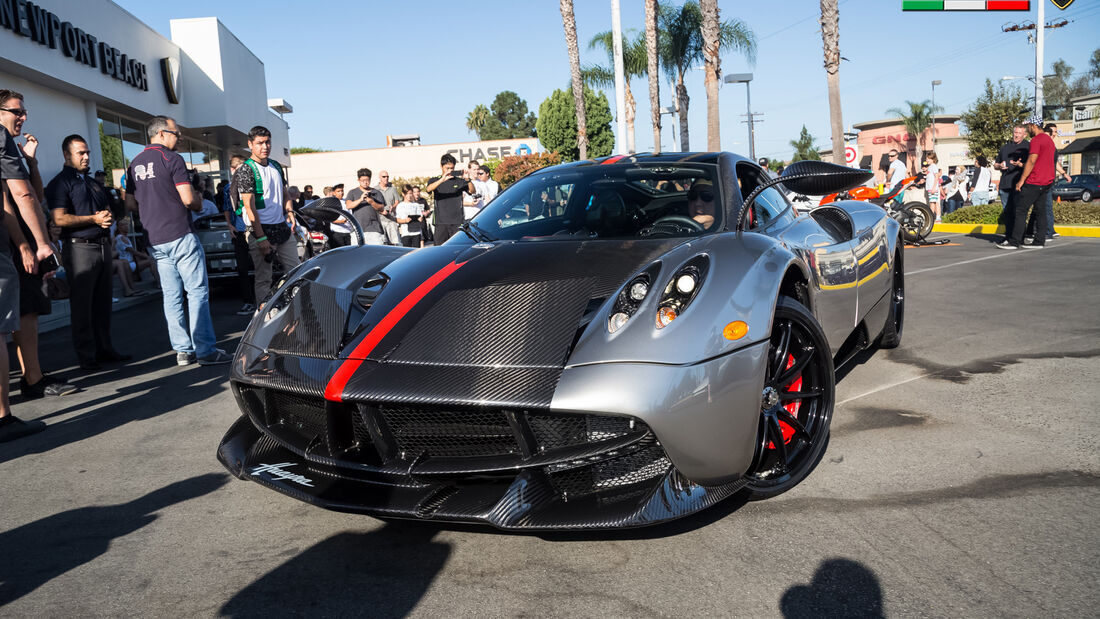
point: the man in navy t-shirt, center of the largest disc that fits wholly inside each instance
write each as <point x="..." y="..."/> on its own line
<point x="158" y="187"/>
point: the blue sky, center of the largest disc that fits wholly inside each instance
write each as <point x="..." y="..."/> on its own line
<point x="357" y="71"/>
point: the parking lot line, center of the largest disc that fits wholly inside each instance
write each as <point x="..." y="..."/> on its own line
<point x="990" y="257"/>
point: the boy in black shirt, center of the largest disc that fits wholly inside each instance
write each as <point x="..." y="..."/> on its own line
<point x="447" y="190"/>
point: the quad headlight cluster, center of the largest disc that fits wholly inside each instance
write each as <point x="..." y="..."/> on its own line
<point x="677" y="294"/>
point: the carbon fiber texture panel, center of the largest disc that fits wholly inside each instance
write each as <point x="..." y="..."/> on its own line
<point x="449" y="433"/>
<point x="528" y="324"/>
<point x="315" y="322"/>
<point x="301" y="375"/>
<point x="453" y="385"/>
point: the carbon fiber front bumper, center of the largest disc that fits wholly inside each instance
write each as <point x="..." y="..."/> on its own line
<point x="621" y="444"/>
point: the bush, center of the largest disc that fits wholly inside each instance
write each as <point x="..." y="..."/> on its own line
<point x="1065" y="213"/>
<point x="511" y="169"/>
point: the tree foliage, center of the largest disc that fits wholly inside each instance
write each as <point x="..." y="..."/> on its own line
<point x="111" y="147"/>
<point x="512" y="168"/>
<point x="804" y="147"/>
<point x="303" y="150"/>
<point x="508" y="118"/>
<point x="1060" y="88"/>
<point x="476" y="119"/>
<point x="990" y="120"/>
<point x="557" y="124"/>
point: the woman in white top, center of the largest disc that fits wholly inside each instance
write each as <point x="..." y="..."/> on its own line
<point x="932" y="183"/>
<point x="955" y="191"/>
<point x="979" y="194"/>
<point x="407" y="213"/>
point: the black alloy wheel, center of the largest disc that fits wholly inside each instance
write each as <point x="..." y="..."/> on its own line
<point x="895" y="318"/>
<point x="796" y="404"/>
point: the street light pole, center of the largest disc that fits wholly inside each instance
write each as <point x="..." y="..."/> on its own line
<point x="745" y="78"/>
<point x="934" y="84"/>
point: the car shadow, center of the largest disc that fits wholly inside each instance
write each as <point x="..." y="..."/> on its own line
<point x="840" y="588"/>
<point x="384" y="573"/>
<point x="37" y="552"/>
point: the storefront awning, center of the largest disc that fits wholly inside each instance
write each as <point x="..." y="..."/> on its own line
<point x="1081" y="145"/>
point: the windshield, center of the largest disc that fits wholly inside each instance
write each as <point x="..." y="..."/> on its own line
<point x="607" y="201"/>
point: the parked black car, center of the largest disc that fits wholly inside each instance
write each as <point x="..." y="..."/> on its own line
<point x="1083" y="187"/>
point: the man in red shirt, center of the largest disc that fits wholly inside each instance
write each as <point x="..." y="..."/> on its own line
<point x="1032" y="188"/>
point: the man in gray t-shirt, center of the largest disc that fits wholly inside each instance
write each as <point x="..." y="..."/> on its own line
<point x="391" y="198"/>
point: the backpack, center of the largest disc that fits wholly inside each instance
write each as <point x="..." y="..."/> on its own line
<point x="259" y="183"/>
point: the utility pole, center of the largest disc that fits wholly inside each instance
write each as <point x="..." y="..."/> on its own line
<point x="1040" y="36"/>
<point x="620" y="93"/>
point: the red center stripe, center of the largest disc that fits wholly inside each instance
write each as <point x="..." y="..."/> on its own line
<point x="613" y="159"/>
<point x="335" y="387"/>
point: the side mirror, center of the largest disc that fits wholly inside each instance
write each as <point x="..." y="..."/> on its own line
<point x="810" y="177"/>
<point x="820" y="177"/>
<point x="329" y="209"/>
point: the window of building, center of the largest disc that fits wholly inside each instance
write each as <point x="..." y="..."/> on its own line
<point x="1090" y="163"/>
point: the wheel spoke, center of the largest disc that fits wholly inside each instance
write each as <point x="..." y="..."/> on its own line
<point x="777" y="441"/>
<point x="780" y="354"/>
<point x="787" y="396"/>
<point x="788" y="376"/>
<point x="799" y="430"/>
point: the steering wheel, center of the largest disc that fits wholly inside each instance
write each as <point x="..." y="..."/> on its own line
<point x="670" y="225"/>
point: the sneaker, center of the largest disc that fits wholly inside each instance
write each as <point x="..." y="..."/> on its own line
<point x="11" y="427"/>
<point x="1029" y="239"/>
<point x="1032" y="246"/>
<point x="219" y="357"/>
<point x="1055" y="235"/>
<point x="246" y="310"/>
<point x="48" y="386"/>
<point x="185" y="358"/>
<point x="1006" y="244"/>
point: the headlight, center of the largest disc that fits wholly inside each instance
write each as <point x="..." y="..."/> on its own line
<point x="631" y="296"/>
<point x="681" y="290"/>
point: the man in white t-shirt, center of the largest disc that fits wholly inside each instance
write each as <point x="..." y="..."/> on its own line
<point x="896" y="172"/>
<point x="262" y="188"/>
<point x="487" y="188"/>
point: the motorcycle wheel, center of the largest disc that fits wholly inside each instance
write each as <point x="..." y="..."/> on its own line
<point x="918" y="221"/>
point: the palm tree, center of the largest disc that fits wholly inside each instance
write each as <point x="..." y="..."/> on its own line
<point x="918" y="118"/>
<point x="570" y="25"/>
<point x="681" y="49"/>
<point x="712" y="70"/>
<point x="476" y="119"/>
<point x="830" y="36"/>
<point x="651" y="70"/>
<point x="634" y="65"/>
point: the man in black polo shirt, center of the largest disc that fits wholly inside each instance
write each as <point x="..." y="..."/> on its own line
<point x="447" y="189"/>
<point x="82" y="208"/>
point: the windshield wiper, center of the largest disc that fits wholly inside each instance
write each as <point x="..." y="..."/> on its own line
<point x="473" y="231"/>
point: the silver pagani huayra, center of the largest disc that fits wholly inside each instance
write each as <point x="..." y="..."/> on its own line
<point x="609" y="343"/>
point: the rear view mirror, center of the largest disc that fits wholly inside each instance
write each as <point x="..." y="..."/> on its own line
<point x="326" y="209"/>
<point x="820" y="177"/>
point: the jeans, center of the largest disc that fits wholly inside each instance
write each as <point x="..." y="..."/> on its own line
<point x="1008" y="214"/>
<point x="182" y="267"/>
<point x="951" y="205"/>
<point x="1050" y="218"/>
<point x="1030" y="197"/>
<point x="979" y="197"/>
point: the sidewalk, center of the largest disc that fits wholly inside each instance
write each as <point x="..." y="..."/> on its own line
<point x="59" y="317"/>
<point x="1084" y="231"/>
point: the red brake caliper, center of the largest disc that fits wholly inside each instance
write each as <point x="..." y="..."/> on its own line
<point x="791" y="407"/>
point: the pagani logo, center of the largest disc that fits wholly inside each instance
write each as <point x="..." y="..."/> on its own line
<point x="1062" y="4"/>
<point x="276" y="471"/>
<point x="170" y="71"/>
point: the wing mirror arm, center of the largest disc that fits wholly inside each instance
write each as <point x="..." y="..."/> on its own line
<point x="324" y="210"/>
<point x="760" y="189"/>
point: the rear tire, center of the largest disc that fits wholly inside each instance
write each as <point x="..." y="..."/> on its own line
<point x="918" y="223"/>
<point x="793" y="431"/>
<point x="895" y="317"/>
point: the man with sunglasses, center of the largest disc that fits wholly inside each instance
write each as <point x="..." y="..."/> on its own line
<point x="487" y="188"/>
<point x="895" y="174"/>
<point x="158" y="186"/>
<point x="23" y="190"/>
<point x="701" y="202"/>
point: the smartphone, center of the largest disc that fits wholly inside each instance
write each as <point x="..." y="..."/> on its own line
<point x="50" y="264"/>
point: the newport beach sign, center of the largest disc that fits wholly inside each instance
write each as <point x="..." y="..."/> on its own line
<point x="46" y="28"/>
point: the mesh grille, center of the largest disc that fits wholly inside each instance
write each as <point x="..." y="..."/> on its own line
<point x="444" y="433"/>
<point x="556" y="431"/>
<point x="639" y="466"/>
<point x="304" y="416"/>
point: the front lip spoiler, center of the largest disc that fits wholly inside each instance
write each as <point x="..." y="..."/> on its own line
<point x="525" y="502"/>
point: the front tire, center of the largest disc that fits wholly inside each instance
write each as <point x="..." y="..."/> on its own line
<point x="918" y="223"/>
<point x="1086" y="196"/>
<point x="796" y="403"/>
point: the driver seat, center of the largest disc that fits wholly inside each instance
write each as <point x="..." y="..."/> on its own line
<point x="606" y="212"/>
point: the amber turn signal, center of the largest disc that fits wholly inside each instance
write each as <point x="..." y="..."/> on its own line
<point x="735" y="330"/>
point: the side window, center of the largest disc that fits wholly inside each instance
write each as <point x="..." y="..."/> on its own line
<point x="769" y="205"/>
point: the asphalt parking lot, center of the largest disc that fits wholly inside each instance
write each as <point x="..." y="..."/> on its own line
<point x="962" y="479"/>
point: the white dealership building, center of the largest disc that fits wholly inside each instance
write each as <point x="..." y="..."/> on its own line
<point x="86" y="67"/>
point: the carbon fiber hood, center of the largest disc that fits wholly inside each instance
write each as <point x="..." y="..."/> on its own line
<point x="498" y="327"/>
